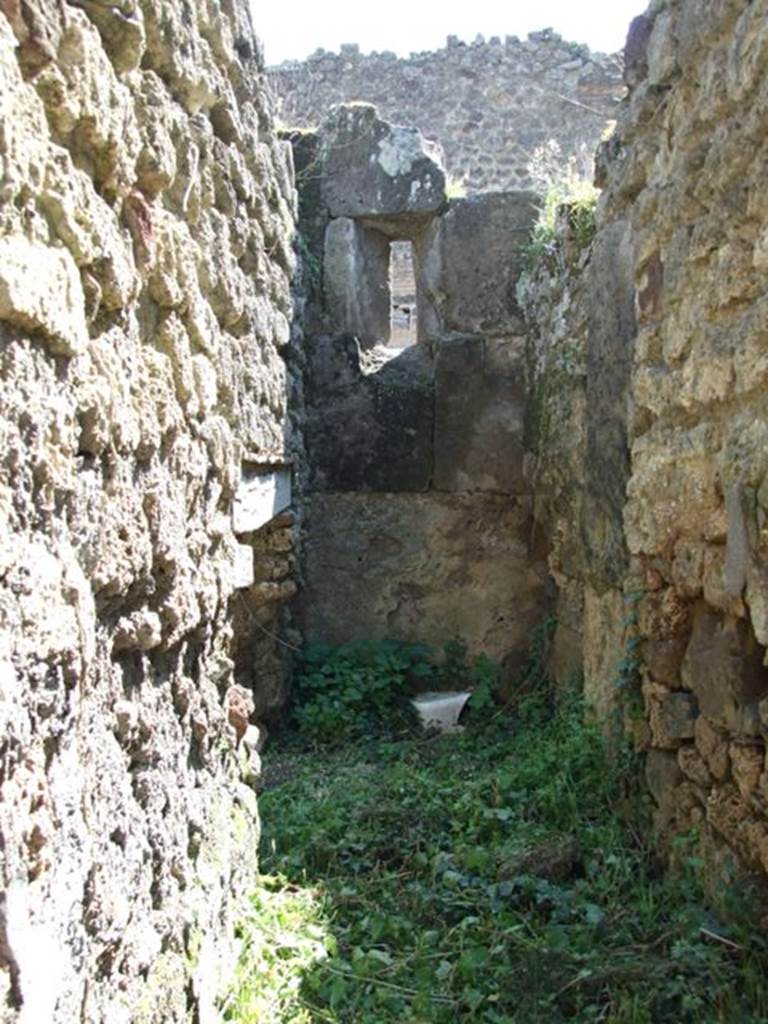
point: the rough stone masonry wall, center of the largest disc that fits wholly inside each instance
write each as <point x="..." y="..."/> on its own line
<point x="554" y="296"/>
<point x="146" y="217"/>
<point x="490" y="104"/>
<point x="684" y="179"/>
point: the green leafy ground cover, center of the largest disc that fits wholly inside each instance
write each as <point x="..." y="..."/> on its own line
<point x="502" y="875"/>
<point x="362" y="689"/>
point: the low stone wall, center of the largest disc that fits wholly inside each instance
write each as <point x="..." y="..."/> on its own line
<point x="146" y="223"/>
<point x="668" y="552"/>
<point x="490" y="104"/>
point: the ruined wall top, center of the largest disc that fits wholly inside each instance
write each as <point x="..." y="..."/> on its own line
<point x="490" y="104"/>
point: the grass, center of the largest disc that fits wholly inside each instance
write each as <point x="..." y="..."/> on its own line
<point x="499" y="876"/>
<point x="455" y="187"/>
<point x="561" y="183"/>
<point x="579" y="199"/>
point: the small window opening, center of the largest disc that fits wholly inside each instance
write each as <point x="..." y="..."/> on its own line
<point x="402" y="279"/>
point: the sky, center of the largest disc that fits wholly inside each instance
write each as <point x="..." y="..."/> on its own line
<point x="292" y="29"/>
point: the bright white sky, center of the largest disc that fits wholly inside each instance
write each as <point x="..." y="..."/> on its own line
<point x="292" y="29"/>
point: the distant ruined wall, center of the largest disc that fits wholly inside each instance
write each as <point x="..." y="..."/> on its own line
<point x="656" y="437"/>
<point x="146" y="352"/>
<point x="489" y="104"/>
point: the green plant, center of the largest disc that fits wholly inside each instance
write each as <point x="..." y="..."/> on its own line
<point x="363" y="688"/>
<point x="457" y="671"/>
<point x="484" y="675"/>
<point x="561" y="184"/>
<point x="500" y="876"/>
<point x="578" y="198"/>
<point x="349" y="690"/>
<point x="455" y="187"/>
<point x="285" y="933"/>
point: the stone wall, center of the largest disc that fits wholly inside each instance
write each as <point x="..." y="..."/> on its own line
<point x="554" y="297"/>
<point x="146" y="222"/>
<point x="668" y="551"/>
<point x="489" y="104"/>
<point x="418" y="523"/>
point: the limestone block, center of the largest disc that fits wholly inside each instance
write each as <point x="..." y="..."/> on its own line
<point x="269" y="593"/>
<point x="373" y="169"/>
<point x="713" y="746"/>
<point x="239" y="704"/>
<point x="468" y="264"/>
<point x="479" y="408"/>
<point x="262" y="493"/>
<point x="40" y="290"/>
<point x="140" y="631"/>
<point x="723" y="666"/>
<point x="636" y="50"/>
<point x="747" y="762"/>
<point x="672" y="493"/>
<point x="38" y="32"/>
<point x="728" y="813"/>
<point x="121" y="30"/>
<point x="661" y="51"/>
<point x="243" y="566"/>
<point x="693" y="766"/>
<point x="663" y="774"/>
<point x="373" y="430"/>
<point x="356" y="281"/>
<point x="672" y="716"/>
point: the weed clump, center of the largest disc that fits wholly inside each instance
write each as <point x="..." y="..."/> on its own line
<point x="364" y="688"/>
<point x="565" y="192"/>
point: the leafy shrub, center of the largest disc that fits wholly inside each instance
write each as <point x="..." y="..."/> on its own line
<point x="363" y="688"/>
<point x="457" y="672"/>
<point x="345" y="691"/>
<point x="579" y="200"/>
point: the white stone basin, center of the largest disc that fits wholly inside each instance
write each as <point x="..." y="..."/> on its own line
<point x="441" y="710"/>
